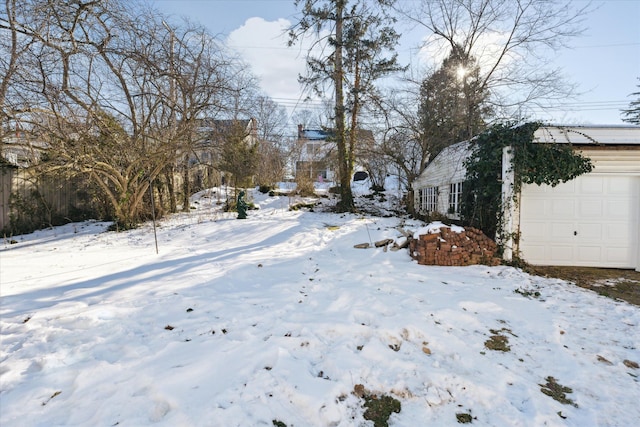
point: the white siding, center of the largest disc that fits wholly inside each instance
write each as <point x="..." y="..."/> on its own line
<point x="602" y="207"/>
<point x="445" y="169"/>
<point x="590" y="221"/>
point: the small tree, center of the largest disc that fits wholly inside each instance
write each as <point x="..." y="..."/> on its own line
<point x="239" y="154"/>
<point x="270" y="165"/>
<point x="400" y="144"/>
<point x="271" y="121"/>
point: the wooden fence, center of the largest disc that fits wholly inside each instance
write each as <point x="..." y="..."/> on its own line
<point x="28" y="202"/>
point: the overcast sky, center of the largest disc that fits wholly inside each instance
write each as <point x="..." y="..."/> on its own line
<point x="604" y="62"/>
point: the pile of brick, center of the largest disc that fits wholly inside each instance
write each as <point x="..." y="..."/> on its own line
<point x="452" y="248"/>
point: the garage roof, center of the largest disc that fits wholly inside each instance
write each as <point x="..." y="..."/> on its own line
<point x="589" y="135"/>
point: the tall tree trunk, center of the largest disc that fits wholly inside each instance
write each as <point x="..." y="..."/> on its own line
<point x="346" y="197"/>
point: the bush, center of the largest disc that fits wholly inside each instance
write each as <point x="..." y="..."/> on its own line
<point x="264" y="189"/>
<point x="304" y="186"/>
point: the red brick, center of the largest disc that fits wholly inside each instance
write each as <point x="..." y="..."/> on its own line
<point x="428" y="237"/>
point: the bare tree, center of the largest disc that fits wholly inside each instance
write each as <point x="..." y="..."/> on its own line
<point x="271" y="163"/>
<point x="202" y="83"/>
<point x="16" y="66"/>
<point x="243" y="94"/>
<point x="303" y="117"/>
<point x="318" y="118"/>
<point x="401" y="137"/>
<point x="117" y="93"/>
<point x="510" y="40"/>
<point x="272" y="119"/>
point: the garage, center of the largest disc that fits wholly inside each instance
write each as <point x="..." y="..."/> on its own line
<point x="591" y="221"/>
<point x="594" y="219"/>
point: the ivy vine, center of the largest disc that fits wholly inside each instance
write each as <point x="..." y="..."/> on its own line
<point x="538" y="163"/>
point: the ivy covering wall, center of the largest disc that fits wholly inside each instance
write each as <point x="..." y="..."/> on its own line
<point x="533" y="163"/>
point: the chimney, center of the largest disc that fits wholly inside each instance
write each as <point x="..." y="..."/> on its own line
<point x="300" y="130"/>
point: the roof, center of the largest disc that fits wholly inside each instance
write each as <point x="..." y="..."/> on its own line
<point x="319" y="134"/>
<point x="314" y="134"/>
<point x="589" y="135"/>
<point x="447" y="167"/>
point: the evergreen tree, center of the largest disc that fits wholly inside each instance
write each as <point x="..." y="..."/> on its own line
<point x="453" y="103"/>
<point x="239" y="154"/>
<point x="361" y="40"/>
<point x="632" y="114"/>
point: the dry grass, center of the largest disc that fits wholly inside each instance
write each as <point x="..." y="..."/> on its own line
<point x="609" y="282"/>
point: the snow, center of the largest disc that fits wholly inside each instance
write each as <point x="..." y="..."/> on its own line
<point x="278" y="317"/>
<point x="434" y="227"/>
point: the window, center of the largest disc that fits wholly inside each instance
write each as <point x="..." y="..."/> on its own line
<point x="455" y="197"/>
<point x="432" y="199"/>
<point x="313" y="148"/>
<point x="428" y="198"/>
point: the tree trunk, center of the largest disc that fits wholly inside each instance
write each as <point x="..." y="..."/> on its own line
<point x="168" y="173"/>
<point x="346" y="197"/>
<point x="186" y="186"/>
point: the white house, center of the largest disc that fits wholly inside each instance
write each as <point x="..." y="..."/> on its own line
<point x="315" y="158"/>
<point x="317" y="152"/>
<point x="592" y="220"/>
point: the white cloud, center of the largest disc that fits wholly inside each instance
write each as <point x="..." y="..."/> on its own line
<point x="263" y="45"/>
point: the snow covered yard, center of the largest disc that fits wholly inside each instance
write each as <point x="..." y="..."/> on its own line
<point x="278" y="320"/>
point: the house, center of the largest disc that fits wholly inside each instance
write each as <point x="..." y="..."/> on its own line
<point x="592" y="220"/>
<point x="22" y="149"/>
<point x="315" y="155"/>
<point x="317" y="152"/>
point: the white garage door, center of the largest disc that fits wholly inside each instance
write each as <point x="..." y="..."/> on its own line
<point x="590" y="221"/>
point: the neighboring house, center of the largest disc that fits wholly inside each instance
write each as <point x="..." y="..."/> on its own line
<point x="21" y="149"/>
<point x="592" y="220"/>
<point x="317" y="152"/>
<point x="315" y="155"/>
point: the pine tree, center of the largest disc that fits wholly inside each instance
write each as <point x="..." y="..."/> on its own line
<point x="452" y="103"/>
<point x="632" y="114"/>
<point x="360" y="38"/>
